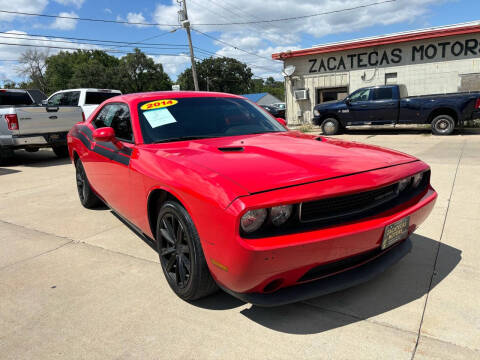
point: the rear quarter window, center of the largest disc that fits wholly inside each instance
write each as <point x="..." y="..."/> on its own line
<point x="97" y="97"/>
<point x="15" y="98"/>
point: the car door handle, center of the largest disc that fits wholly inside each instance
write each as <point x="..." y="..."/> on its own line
<point x="52" y="109"/>
<point x="53" y="117"/>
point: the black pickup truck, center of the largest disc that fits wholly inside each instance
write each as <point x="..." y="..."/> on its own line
<point x="390" y="105"/>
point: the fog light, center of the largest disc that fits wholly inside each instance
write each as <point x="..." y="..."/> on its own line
<point x="253" y="219"/>
<point x="280" y="214"/>
<point x="416" y="180"/>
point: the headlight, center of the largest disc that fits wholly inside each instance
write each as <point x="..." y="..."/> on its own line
<point x="402" y="184"/>
<point x="316" y="112"/>
<point x="280" y="214"/>
<point x="416" y="180"/>
<point x="253" y="219"/>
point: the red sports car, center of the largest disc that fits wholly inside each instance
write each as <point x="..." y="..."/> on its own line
<point x="233" y="199"/>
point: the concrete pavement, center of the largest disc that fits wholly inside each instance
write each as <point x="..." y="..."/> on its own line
<point x="78" y="284"/>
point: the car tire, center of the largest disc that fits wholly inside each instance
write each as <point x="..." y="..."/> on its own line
<point x="330" y="126"/>
<point x="87" y="197"/>
<point x="443" y="125"/>
<point x="60" y="150"/>
<point x="181" y="254"/>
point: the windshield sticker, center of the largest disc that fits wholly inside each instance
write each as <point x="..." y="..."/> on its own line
<point x="158" y="104"/>
<point x="159" y="117"/>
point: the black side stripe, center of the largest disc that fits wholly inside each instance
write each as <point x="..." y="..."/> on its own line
<point x="105" y="149"/>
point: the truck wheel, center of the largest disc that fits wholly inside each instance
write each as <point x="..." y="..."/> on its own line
<point x="6" y="155"/>
<point x="330" y="126"/>
<point x="181" y="254"/>
<point x="87" y="197"/>
<point x="443" y="125"/>
<point x="60" y="150"/>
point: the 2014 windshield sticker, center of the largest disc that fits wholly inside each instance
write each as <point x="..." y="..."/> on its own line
<point x="158" y="104"/>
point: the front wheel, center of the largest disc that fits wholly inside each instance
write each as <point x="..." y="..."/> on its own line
<point x="181" y="254"/>
<point x="443" y="125"/>
<point x="330" y="126"/>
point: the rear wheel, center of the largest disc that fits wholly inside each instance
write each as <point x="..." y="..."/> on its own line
<point x="87" y="197"/>
<point x="443" y="125"/>
<point x="330" y="126"/>
<point x="60" y="150"/>
<point x="181" y="254"/>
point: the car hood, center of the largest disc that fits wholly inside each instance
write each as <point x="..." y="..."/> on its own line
<point x="264" y="162"/>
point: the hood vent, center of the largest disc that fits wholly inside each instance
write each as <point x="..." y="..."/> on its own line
<point x="231" y="149"/>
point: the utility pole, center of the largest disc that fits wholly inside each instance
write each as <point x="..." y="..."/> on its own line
<point x="183" y="18"/>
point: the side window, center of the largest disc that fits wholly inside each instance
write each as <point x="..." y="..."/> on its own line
<point x="116" y="116"/>
<point x="56" y="100"/>
<point x="383" y="94"/>
<point x="71" y="98"/>
<point x="360" y="95"/>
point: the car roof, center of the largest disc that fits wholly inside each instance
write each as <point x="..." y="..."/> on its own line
<point x="159" y="95"/>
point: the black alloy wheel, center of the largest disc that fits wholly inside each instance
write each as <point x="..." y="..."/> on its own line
<point x="87" y="197"/>
<point x="175" y="251"/>
<point x="181" y="253"/>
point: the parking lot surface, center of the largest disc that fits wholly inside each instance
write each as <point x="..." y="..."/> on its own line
<point x="78" y="284"/>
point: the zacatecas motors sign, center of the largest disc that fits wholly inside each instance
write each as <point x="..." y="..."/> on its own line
<point x="396" y="56"/>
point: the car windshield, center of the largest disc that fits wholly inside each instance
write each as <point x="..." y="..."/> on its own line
<point x="176" y="119"/>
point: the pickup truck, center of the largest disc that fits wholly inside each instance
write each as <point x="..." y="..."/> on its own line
<point x="25" y="124"/>
<point x="390" y="105"/>
<point x="87" y="99"/>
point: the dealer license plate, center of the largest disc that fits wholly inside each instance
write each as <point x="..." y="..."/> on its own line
<point x="395" y="232"/>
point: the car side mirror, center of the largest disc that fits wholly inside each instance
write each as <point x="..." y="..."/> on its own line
<point x="45" y="102"/>
<point x="282" y="122"/>
<point x="106" y="134"/>
<point x="347" y="101"/>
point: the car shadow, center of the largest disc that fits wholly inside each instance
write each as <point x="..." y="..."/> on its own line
<point x="41" y="158"/>
<point x="4" y="171"/>
<point x="407" y="281"/>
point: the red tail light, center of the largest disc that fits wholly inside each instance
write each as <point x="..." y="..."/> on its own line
<point x="12" y="121"/>
<point x="83" y="116"/>
<point x="477" y="104"/>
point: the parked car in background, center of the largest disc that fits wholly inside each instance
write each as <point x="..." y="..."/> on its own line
<point x="231" y="198"/>
<point x="274" y="111"/>
<point x="24" y="124"/>
<point x="280" y="106"/>
<point x="390" y="105"/>
<point x="87" y="99"/>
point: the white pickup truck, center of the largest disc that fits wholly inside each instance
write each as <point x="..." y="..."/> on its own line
<point x="87" y="99"/>
<point x="25" y="124"/>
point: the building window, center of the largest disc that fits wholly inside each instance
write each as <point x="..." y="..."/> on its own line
<point x="390" y="78"/>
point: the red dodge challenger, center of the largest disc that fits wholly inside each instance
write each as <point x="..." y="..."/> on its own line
<point x="232" y="199"/>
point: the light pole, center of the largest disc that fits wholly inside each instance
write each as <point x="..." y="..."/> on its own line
<point x="183" y="18"/>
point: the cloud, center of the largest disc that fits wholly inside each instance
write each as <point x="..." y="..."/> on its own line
<point x="264" y="37"/>
<point x="77" y="3"/>
<point x="134" y="18"/>
<point x="173" y="65"/>
<point x="8" y="70"/>
<point x="65" y="24"/>
<point x="29" y="6"/>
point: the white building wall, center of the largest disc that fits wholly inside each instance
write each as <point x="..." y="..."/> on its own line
<point x="438" y="75"/>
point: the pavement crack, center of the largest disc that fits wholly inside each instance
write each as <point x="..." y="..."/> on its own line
<point x="438" y="250"/>
<point x="36" y="256"/>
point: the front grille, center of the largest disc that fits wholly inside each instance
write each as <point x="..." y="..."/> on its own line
<point x="336" y="207"/>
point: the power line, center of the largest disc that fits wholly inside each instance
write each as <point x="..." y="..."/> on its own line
<point x="199" y="24"/>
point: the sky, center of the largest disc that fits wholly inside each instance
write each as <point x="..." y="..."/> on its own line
<point x="250" y="43"/>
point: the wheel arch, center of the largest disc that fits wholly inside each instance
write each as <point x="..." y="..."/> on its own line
<point x="443" y="111"/>
<point x="331" y="115"/>
<point x="156" y="198"/>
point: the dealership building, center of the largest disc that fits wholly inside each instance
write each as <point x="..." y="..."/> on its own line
<point x="429" y="61"/>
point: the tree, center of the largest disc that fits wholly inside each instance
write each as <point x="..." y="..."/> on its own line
<point x="270" y="85"/>
<point x="219" y="74"/>
<point x="32" y="65"/>
<point x="141" y="73"/>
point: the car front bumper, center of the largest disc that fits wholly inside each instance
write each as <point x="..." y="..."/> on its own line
<point x="250" y="266"/>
